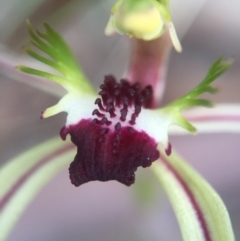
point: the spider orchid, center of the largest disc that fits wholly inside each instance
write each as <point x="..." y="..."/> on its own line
<point x="115" y="132"/>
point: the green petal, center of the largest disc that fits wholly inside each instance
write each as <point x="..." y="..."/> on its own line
<point x="23" y="177"/>
<point x="57" y="79"/>
<point x="215" y="70"/>
<point x="200" y="212"/>
<point x="191" y="98"/>
<point x="60" y="58"/>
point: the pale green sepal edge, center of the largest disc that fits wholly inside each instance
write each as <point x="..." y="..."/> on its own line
<point x="60" y="58"/>
<point x="190" y="99"/>
<point x="17" y="167"/>
<point x="212" y="206"/>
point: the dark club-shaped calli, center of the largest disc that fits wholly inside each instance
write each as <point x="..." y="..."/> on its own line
<point x="116" y="132"/>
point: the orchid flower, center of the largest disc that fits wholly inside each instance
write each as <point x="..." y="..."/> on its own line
<point x="117" y="129"/>
<point x="114" y="132"/>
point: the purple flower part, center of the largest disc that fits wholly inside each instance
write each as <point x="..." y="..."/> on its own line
<point x="105" y="154"/>
<point x="148" y="62"/>
<point x="110" y="147"/>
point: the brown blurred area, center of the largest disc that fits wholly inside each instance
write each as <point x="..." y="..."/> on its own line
<point x="209" y="29"/>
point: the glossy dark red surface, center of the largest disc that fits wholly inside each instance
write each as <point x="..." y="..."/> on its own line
<point x="105" y="154"/>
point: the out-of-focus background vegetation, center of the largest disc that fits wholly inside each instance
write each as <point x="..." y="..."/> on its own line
<point x="110" y="211"/>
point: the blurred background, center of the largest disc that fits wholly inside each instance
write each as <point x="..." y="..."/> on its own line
<point x="208" y="30"/>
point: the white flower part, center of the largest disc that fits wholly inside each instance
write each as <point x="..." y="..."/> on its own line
<point x="80" y="108"/>
<point x="175" y="41"/>
<point x="155" y="124"/>
<point x="77" y="106"/>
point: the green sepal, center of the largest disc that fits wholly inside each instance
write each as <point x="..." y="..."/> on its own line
<point x="25" y="175"/>
<point x="191" y="196"/>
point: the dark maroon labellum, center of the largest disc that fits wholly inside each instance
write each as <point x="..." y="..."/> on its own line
<point x="105" y="155"/>
<point x="109" y="147"/>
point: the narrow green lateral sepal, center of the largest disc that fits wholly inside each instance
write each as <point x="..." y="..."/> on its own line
<point x="25" y="175"/>
<point x="201" y="214"/>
